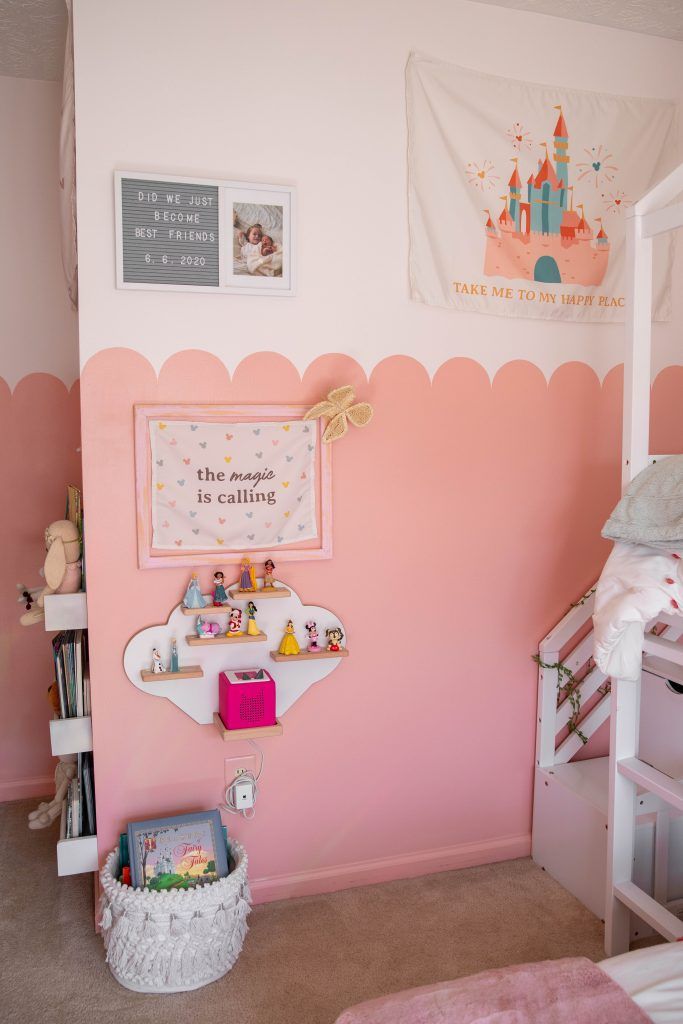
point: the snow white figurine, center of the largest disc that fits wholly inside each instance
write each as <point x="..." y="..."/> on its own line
<point x="193" y="595"/>
<point x="288" y="644"/>
<point x="247" y="577"/>
<point x="252" y="628"/>
<point x="219" y="595"/>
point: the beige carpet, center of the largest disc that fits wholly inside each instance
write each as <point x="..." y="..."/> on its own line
<point x="303" y="961"/>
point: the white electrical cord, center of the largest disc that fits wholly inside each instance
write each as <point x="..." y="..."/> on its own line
<point x="230" y="804"/>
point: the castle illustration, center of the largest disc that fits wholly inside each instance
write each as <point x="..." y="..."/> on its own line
<point x="544" y="238"/>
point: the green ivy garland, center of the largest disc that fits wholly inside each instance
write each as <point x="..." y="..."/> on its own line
<point x="568" y="688"/>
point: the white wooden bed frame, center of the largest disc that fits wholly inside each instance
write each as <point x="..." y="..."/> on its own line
<point x="603" y="826"/>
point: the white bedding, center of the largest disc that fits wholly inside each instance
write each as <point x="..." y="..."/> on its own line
<point x="637" y="584"/>
<point x="653" y="978"/>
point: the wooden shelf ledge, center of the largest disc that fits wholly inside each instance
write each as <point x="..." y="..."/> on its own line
<point x="246" y="734"/>
<point x="307" y="656"/>
<point x="250" y="595"/>
<point x="208" y="609"/>
<point x="187" y="672"/>
<point x="223" y="638"/>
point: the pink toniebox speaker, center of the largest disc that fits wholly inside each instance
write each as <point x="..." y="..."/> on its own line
<point x="246" y="698"/>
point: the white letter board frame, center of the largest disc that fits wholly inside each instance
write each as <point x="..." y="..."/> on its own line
<point x="228" y="283"/>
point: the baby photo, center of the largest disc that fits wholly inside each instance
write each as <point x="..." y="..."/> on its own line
<point x="257" y="239"/>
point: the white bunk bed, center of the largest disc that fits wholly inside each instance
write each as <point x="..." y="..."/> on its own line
<point x="603" y="827"/>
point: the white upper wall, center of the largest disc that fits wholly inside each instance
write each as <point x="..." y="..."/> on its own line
<point x="312" y="94"/>
<point x="39" y="327"/>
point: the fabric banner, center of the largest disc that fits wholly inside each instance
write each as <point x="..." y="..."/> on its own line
<point x="518" y="193"/>
<point x="226" y="486"/>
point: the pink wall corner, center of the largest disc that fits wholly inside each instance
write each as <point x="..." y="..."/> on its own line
<point x="466" y="518"/>
<point x="40" y="427"/>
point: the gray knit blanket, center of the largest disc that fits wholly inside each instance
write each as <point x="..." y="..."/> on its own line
<point x="651" y="510"/>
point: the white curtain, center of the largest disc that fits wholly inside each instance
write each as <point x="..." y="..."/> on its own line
<point x="67" y="168"/>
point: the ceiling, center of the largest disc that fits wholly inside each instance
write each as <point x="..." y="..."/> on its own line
<point x="650" y="17"/>
<point x="32" y="34"/>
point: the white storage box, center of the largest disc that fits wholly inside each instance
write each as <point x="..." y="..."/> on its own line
<point x="176" y="940"/>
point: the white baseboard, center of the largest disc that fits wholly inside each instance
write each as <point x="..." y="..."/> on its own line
<point x="370" y="872"/>
<point x="25" y="789"/>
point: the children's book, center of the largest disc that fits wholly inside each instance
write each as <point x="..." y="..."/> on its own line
<point x="177" y="853"/>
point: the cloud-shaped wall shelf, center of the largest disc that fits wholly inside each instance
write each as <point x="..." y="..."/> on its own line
<point x="198" y="697"/>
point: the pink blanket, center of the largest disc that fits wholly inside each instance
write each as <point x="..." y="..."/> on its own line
<point x="571" y="991"/>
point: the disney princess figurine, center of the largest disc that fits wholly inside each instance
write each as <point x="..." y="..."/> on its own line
<point x="219" y="595"/>
<point x="157" y="664"/>
<point x="193" y="595"/>
<point x="288" y="644"/>
<point x="247" y="578"/>
<point x="235" y="622"/>
<point x="268" y="570"/>
<point x="252" y="628"/>
<point x="205" y="629"/>
<point x="334" y="638"/>
<point x="174" y="666"/>
<point x="312" y="630"/>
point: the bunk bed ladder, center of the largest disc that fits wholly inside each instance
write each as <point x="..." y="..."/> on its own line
<point x="649" y="217"/>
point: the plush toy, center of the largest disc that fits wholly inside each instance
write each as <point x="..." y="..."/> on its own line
<point x="46" y="813"/>
<point x="62" y="568"/>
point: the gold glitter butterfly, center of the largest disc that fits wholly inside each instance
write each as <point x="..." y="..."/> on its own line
<point x="338" y="408"/>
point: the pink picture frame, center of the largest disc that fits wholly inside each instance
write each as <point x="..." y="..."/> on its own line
<point x="149" y="558"/>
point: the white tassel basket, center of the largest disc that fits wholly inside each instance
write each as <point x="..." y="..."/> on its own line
<point x="176" y="940"/>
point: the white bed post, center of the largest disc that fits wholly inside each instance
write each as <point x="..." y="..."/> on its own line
<point x="624" y="724"/>
<point x="625" y="710"/>
<point x="637" y="354"/>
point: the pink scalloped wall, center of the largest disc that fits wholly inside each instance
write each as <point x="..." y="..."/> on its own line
<point x="466" y="518"/>
<point x="40" y="431"/>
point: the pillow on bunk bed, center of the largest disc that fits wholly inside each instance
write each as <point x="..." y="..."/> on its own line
<point x="651" y="510"/>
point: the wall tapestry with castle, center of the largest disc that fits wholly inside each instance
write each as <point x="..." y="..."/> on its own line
<point x="519" y="193"/>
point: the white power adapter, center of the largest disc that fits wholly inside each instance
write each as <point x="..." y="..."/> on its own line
<point x="240" y="794"/>
<point x="243" y="793"/>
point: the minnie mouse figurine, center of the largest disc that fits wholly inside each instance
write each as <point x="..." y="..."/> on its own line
<point x="312" y="630"/>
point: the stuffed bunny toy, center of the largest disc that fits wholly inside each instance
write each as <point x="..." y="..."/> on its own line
<point x="48" y="811"/>
<point x="62" y="568"/>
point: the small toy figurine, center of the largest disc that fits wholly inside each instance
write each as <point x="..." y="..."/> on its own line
<point x="193" y="595"/>
<point x="252" y="628"/>
<point x="235" y="622"/>
<point x="157" y="664"/>
<point x="247" y="582"/>
<point x="334" y="638"/>
<point x="268" y="570"/>
<point x="219" y="595"/>
<point x="174" y="666"/>
<point x="312" y="630"/>
<point x="289" y="644"/>
<point x="207" y="629"/>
